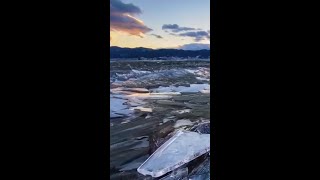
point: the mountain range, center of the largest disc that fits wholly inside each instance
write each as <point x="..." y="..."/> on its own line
<point x="119" y="52"/>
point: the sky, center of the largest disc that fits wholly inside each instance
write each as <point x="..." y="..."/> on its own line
<point x="157" y="24"/>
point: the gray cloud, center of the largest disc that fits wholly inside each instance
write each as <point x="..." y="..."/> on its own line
<point x="197" y="35"/>
<point x="176" y="28"/>
<point x="157" y="36"/>
<point x="173" y="34"/>
<point x="122" y="18"/>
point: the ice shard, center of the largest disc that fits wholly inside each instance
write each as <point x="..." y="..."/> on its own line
<point x="180" y="149"/>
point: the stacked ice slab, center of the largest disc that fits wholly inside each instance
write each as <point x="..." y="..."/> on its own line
<point x="180" y="149"/>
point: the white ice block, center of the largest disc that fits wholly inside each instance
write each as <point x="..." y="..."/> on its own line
<point x="180" y="149"/>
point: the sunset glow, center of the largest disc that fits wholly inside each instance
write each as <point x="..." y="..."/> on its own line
<point x="159" y="24"/>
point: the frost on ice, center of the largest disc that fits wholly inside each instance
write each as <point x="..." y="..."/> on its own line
<point x="180" y="149"/>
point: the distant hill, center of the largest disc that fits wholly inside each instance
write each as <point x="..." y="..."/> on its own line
<point x="118" y="52"/>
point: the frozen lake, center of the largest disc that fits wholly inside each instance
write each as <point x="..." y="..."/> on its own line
<point x="151" y="101"/>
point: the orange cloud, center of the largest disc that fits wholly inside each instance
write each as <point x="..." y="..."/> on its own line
<point x="122" y="19"/>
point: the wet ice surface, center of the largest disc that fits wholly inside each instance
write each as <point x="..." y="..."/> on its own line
<point x="192" y="88"/>
<point x="118" y="108"/>
<point x="182" y="148"/>
<point x="150" y="103"/>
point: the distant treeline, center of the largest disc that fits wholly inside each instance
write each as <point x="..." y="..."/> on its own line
<point x="118" y="52"/>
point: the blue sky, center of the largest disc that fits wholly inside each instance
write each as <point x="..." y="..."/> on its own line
<point x="187" y="22"/>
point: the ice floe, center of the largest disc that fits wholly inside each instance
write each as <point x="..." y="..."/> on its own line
<point x="149" y="96"/>
<point x="201" y="73"/>
<point x="124" y="101"/>
<point x="168" y="119"/>
<point x="203" y="128"/>
<point x="123" y="90"/>
<point x="205" y="91"/>
<point x="180" y="149"/>
<point x="142" y="109"/>
<point x="192" y="88"/>
<point x="183" y="122"/>
<point x="118" y="108"/>
<point x="182" y="111"/>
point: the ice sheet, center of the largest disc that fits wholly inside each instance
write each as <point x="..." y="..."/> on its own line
<point x="205" y="91"/>
<point x="182" y="148"/>
<point x="118" y="108"/>
<point x="183" y="122"/>
<point x="142" y="109"/>
<point x="192" y="88"/>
